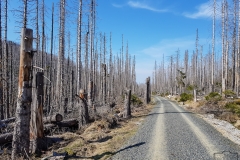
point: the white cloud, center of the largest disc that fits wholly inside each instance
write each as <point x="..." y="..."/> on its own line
<point x="169" y="47"/>
<point x="204" y="10"/>
<point x="140" y="5"/>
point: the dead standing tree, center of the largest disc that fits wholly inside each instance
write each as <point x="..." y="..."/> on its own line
<point x="83" y="109"/>
<point x="127" y="104"/>
<point x="20" y="144"/>
<point x="36" y="128"/>
<point x="147" y="91"/>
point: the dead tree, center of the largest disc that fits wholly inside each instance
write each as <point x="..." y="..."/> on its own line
<point x="127" y="104"/>
<point x="20" y="144"/>
<point x="36" y="128"/>
<point x="147" y="91"/>
<point x="1" y="65"/>
<point x="104" y="88"/>
<point x="83" y="118"/>
<point x="90" y="89"/>
<point x="213" y="47"/>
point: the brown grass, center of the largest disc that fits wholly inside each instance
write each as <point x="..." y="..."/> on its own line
<point x="98" y="141"/>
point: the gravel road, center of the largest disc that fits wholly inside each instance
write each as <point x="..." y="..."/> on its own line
<point x="170" y="132"/>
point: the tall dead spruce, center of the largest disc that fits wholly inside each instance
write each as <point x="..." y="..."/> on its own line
<point x="20" y="144"/>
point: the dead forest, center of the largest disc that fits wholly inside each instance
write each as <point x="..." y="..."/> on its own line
<point x="46" y="82"/>
<point x="210" y="68"/>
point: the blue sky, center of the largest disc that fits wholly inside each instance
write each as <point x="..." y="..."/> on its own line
<point x="151" y="27"/>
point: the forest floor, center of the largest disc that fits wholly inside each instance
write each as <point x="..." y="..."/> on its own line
<point x="98" y="140"/>
<point x="215" y="113"/>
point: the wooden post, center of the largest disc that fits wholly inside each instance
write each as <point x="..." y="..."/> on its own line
<point x="83" y="109"/>
<point x="127" y="104"/>
<point x="20" y="144"/>
<point x="36" y="125"/>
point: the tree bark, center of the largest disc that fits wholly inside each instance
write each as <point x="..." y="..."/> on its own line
<point x="83" y="118"/>
<point x="21" y="136"/>
<point x="127" y="104"/>
<point x="147" y="91"/>
<point x="36" y="128"/>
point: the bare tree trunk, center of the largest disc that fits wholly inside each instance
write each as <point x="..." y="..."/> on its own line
<point x="36" y="128"/>
<point x="21" y="136"/>
<point x="127" y="104"/>
<point x="147" y="91"/>
<point x="79" y="39"/>
<point x="1" y="65"/>
<point x="223" y="52"/>
<point x="213" y="46"/>
<point x="59" y="85"/>
<point x="90" y="89"/>
<point x="104" y="74"/>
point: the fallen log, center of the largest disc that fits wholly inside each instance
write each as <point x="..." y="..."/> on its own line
<point x="68" y="123"/>
<point x="7" y="137"/>
<point x="53" y="118"/>
<point x="9" y="120"/>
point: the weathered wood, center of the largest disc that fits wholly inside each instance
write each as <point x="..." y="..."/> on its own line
<point x="127" y="104"/>
<point x="83" y="118"/>
<point x="104" y="88"/>
<point x="53" y="118"/>
<point x="20" y="145"/>
<point x="68" y="123"/>
<point x="36" y="124"/>
<point x="5" y="138"/>
<point x="147" y="91"/>
<point x="195" y="95"/>
<point x="90" y="88"/>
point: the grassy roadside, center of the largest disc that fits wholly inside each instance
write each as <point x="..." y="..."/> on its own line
<point x="98" y="140"/>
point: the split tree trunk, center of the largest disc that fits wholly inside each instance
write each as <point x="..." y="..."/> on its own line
<point x="20" y="144"/>
<point x="83" y="109"/>
<point x="36" y="128"/>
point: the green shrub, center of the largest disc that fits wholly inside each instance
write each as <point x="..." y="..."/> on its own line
<point x="185" y="97"/>
<point x="233" y="107"/>
<point x="135" y="100"/>
<point x="229" y="93"/>
<point x="213" y="96"/>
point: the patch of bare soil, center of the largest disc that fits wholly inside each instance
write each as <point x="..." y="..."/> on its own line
<point x="99" y="140"/>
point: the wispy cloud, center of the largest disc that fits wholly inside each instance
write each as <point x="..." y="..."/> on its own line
<point x="169" y="47"/>
<point x="140" y="5"/>
<point x="117" y="5"/>
<point x="204" y="10"/>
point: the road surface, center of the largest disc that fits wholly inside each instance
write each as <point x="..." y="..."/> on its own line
<point x="170" y="132"/>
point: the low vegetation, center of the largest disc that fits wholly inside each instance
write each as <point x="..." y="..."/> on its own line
<point x="213" y="96"/>
<point x="186" y="97"/>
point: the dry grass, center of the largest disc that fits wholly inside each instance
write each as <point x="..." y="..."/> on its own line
<point x="98" y="140"/>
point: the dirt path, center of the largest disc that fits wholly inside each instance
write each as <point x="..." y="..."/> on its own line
<point x="170" y="132"/>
